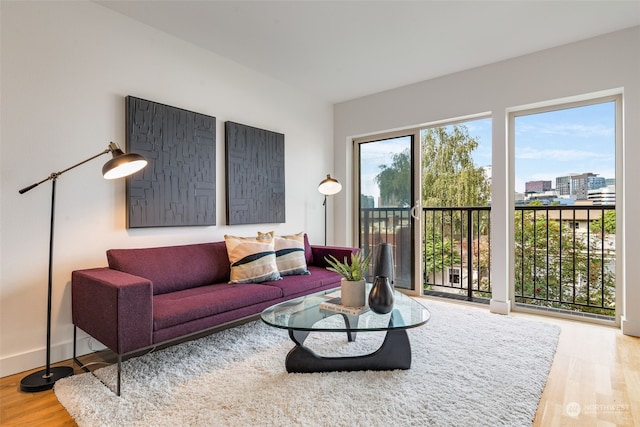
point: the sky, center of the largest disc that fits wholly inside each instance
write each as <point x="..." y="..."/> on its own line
<point x="374" y="154"/>
<point x="547" y="145"/>
<point x="557" y="143"/>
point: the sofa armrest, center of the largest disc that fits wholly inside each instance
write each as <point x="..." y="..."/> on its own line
<point x="340" y="252"/>
<point x="114" y="307"/>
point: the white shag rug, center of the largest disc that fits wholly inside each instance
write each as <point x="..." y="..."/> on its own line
<point x="469" y="368"/>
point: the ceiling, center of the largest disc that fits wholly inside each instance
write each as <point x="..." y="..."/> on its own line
<point x="341" y="50"/>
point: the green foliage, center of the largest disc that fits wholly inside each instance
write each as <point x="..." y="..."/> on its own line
<point x="352" y="270"/>
<point x="395" y="181"/>
<point x="439" y="253"/>
<point x="449" y="176"/>
<point x="609" y="220"/>
<point x="557" y="267"/>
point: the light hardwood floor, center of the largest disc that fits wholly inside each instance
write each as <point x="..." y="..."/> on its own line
<point x="594" y="381"/>
<point x="595" y="377"/>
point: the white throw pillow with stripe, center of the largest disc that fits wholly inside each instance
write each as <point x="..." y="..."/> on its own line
<point x="290" y="254"/>
<point x="253" y="259"/>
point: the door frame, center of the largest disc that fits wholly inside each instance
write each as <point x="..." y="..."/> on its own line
<point x="416" y="225"/>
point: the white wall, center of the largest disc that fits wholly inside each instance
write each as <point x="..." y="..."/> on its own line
<point x="609" y="63"/>
<point x="66" y="68"/>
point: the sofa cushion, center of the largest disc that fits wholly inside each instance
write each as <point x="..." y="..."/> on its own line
<point x="318" y="279"/>
<point x="253" y="259"/>
<point x="184" y="306"/>
<point x="173" y="268"/>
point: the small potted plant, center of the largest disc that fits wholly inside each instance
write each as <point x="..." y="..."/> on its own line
<point x="352" y="284"/>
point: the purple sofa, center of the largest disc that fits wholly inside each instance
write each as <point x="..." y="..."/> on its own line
<point x="153" y="295"/>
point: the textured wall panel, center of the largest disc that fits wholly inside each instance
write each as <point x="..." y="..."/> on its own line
<point x="178" y="186"/>
<point x="255" y="175"/>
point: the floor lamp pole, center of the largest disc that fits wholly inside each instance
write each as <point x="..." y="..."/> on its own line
<point x="50" y="280"/>
<point x="325" y="219"/>
<point x="328" y="187"/>
<point x="119" y="166"/>
<point x="45" y="379"/>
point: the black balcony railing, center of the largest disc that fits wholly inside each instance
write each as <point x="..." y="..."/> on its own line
<point x="564" y="255"/>
<point x="389" y="225"/>
<point x="456" y="251"/>
<point x="565" y="258"/>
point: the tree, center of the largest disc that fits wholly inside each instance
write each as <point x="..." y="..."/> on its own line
<point x="449" y="179"/>
<point x="449" y="176"/>
<point x="556" y="267"/>
<point x="609" y="220"/>
<point x="394" y="181"/>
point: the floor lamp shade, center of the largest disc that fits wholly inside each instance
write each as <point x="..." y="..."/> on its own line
<point x="328" y="186"/>
<point x="122" y="164"/>
<point x="119" y="166"/>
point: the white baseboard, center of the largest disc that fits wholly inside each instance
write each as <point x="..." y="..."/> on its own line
<point x="630" y="327"/>
<point x="37" y="358"/>
<point x="500" y="307"/>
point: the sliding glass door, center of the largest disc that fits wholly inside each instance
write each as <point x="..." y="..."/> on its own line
<point x="385" y="182"/>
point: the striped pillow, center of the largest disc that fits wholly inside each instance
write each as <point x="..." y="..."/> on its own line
<point x="290" y="256"/>
<point x="253" y="260"/>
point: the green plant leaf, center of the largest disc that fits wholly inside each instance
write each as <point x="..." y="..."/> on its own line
<point x="354" y="269"/>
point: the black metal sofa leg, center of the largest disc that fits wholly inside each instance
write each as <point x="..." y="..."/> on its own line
<point x="119" y="374"/>
<point x="84" y="367"/>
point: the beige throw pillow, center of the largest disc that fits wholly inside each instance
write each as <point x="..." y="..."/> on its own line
<point x="290" y="257"/>
<point x="253" y="260"/>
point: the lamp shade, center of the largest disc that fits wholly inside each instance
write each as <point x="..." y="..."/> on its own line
<point x="122" y="164"/>
<point x="329" y="186"/>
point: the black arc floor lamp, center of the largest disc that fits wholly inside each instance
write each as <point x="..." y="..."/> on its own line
<point x="328" y="186"/>
<point x="119" y="166"/>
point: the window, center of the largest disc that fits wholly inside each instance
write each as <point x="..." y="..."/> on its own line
<point x="454" y="276"/>
<point x="564" y="258"/>
<point x="563" y="153"/>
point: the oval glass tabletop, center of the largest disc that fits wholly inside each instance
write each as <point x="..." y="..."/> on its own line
<point x="308" y="313"/>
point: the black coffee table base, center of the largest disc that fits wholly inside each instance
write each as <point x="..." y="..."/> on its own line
<point x="394" y="353"/>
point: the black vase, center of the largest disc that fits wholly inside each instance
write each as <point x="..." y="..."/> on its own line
<point x="381" y="296"/>
<point x="384" y="265"/>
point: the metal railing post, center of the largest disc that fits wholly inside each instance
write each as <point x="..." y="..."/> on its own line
<point x="469" y="256"/>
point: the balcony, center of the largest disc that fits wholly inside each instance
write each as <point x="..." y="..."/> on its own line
<point x="564" y="256"/>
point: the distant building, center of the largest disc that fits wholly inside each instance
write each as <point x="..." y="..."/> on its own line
<point x="537" y="186"/>
<point x="366" y="201"/>
<point x="578" y="185"/>
<point x="603" y="195"/>
<point x="546" y="197"/>
<point x="565" y="200"/>
<point x="584" y="182"/>
<point x="571" y="189"/>
<point x="564" y="184"/>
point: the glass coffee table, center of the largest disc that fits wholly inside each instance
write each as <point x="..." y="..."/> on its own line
<point x="303" y="315"/>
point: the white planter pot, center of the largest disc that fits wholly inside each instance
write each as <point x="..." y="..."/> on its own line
<point x="352" y="294"/>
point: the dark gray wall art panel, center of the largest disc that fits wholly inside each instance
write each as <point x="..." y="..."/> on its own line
<point x="255" y="175"/>
<point x="178" y="186"/>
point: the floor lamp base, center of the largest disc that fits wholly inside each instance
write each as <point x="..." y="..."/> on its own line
<point x="39" y="381"/>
